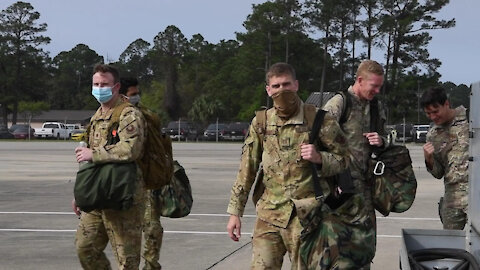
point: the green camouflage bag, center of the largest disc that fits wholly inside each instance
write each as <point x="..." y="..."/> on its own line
<point x="175" y="199"/>
<point x="343" y="238"/>
<point x="393" y="181"/>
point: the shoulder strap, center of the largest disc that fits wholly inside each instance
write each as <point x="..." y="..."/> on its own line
<point x="261" y="127"/>
<point x="374" y="115"/>
<point x="310" y="112"/>
<point x="115" y="122"/>
<point x="317" y="124"/>
<point x="117" y="111"/>
<point x="347" y="104"/>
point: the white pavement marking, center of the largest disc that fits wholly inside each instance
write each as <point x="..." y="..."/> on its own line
<point x="176" y="232"/>
<point x="213" y="215"/>
<point x="189" y="232"/>
<point x="173" y="232"/>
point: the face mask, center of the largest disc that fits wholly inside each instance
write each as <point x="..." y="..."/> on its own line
<point x="102" y="94"/>
<point x="134" y="99"/>
<point x="286" y="103"/>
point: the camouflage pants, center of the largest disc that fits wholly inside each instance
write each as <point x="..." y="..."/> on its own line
<point x="122" y="228"/>
<point x="346" y="239"/>
<point x="452" y="218"/>
<point x="270" y="243"/>
<point x="153" y="233"/>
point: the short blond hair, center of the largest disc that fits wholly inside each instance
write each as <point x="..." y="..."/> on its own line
<point x="368" y="67"/>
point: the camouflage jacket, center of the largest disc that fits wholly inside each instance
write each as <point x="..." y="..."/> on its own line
<point x="131" y="132"/>
<point x="357" y="123"/>
<point x="450" y="158"/>
<point x="286" y="175"/>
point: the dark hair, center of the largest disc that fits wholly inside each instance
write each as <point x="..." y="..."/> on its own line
<point x="125" y="83"/>
<point x="108" y="69"/>
<point x="279" y="69"/>
<point x="434" y="96"/>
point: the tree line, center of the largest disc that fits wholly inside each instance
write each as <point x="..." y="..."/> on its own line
<point x="324" y="40"/>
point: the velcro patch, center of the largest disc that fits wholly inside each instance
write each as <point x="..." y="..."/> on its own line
<point x="131" y="129"/>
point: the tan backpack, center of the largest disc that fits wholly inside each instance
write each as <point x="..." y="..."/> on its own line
<point x="157" y="162"/>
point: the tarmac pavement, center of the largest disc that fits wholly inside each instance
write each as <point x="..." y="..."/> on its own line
<point x="37" y="225"/>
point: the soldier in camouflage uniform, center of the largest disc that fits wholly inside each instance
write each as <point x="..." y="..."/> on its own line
<point x="357" y="253"/>
<point x="285" y="154"/>
<point x="153" y="230"/>
<point x="122" y="228"/>
<point x="446" y="155"/>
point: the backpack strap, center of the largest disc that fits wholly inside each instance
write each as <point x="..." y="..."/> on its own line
<point x="310" y="112"/>
<point x="374" y="125"/>
<point x="115" y="122"/>
<point x="261" y="126"/>
<point x="347" y="105"/>
<point x="313" y="136"/>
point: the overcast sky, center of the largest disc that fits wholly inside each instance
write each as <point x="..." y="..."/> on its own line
<point x="109" y="26"/>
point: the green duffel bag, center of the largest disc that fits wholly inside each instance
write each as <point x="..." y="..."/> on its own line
<point x="393" y="181"/>
<point x="105" y="186"/>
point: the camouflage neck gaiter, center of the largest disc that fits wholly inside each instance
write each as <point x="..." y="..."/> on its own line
<point x="286" y="103"/>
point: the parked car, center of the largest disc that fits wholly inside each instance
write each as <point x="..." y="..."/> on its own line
<point x="72" y="126"/>
<point x="214" y="131"/>
<point x="421" y="133"/>
<point x="5" y="134"/>
<point x="23" y="132"/>
<point x="53" y="130"/>
<point x="181" y="130"/>
<point x="409" y="132"/>
<point x="236" y="131"/>
<point x="79" y="135"/>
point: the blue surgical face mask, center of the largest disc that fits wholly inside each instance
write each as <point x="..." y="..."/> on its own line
<point x="134" y="99"/>
<point x="102" y="94"/>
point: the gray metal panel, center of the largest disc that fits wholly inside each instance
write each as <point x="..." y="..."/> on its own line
<point x="473" y="226"/>
<point x="416" y="239"/>
<point x="475" y="106"/>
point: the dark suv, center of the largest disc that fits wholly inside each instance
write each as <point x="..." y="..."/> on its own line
<point x="214" y="132"/>
<point x="181" y="130"/>
<point x="409" y="132"/>
<point x="236" y="131"/>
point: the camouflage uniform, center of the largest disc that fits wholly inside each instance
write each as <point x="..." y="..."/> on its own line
<point x="122" y="228"/>
<point x="450" y="161"/>
<point x="286" y="176"/>
<point x="153" y="232"/>
<point x="357" y="123"/>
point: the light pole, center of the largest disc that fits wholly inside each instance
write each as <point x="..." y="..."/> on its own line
<point x="418" y="102"/>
